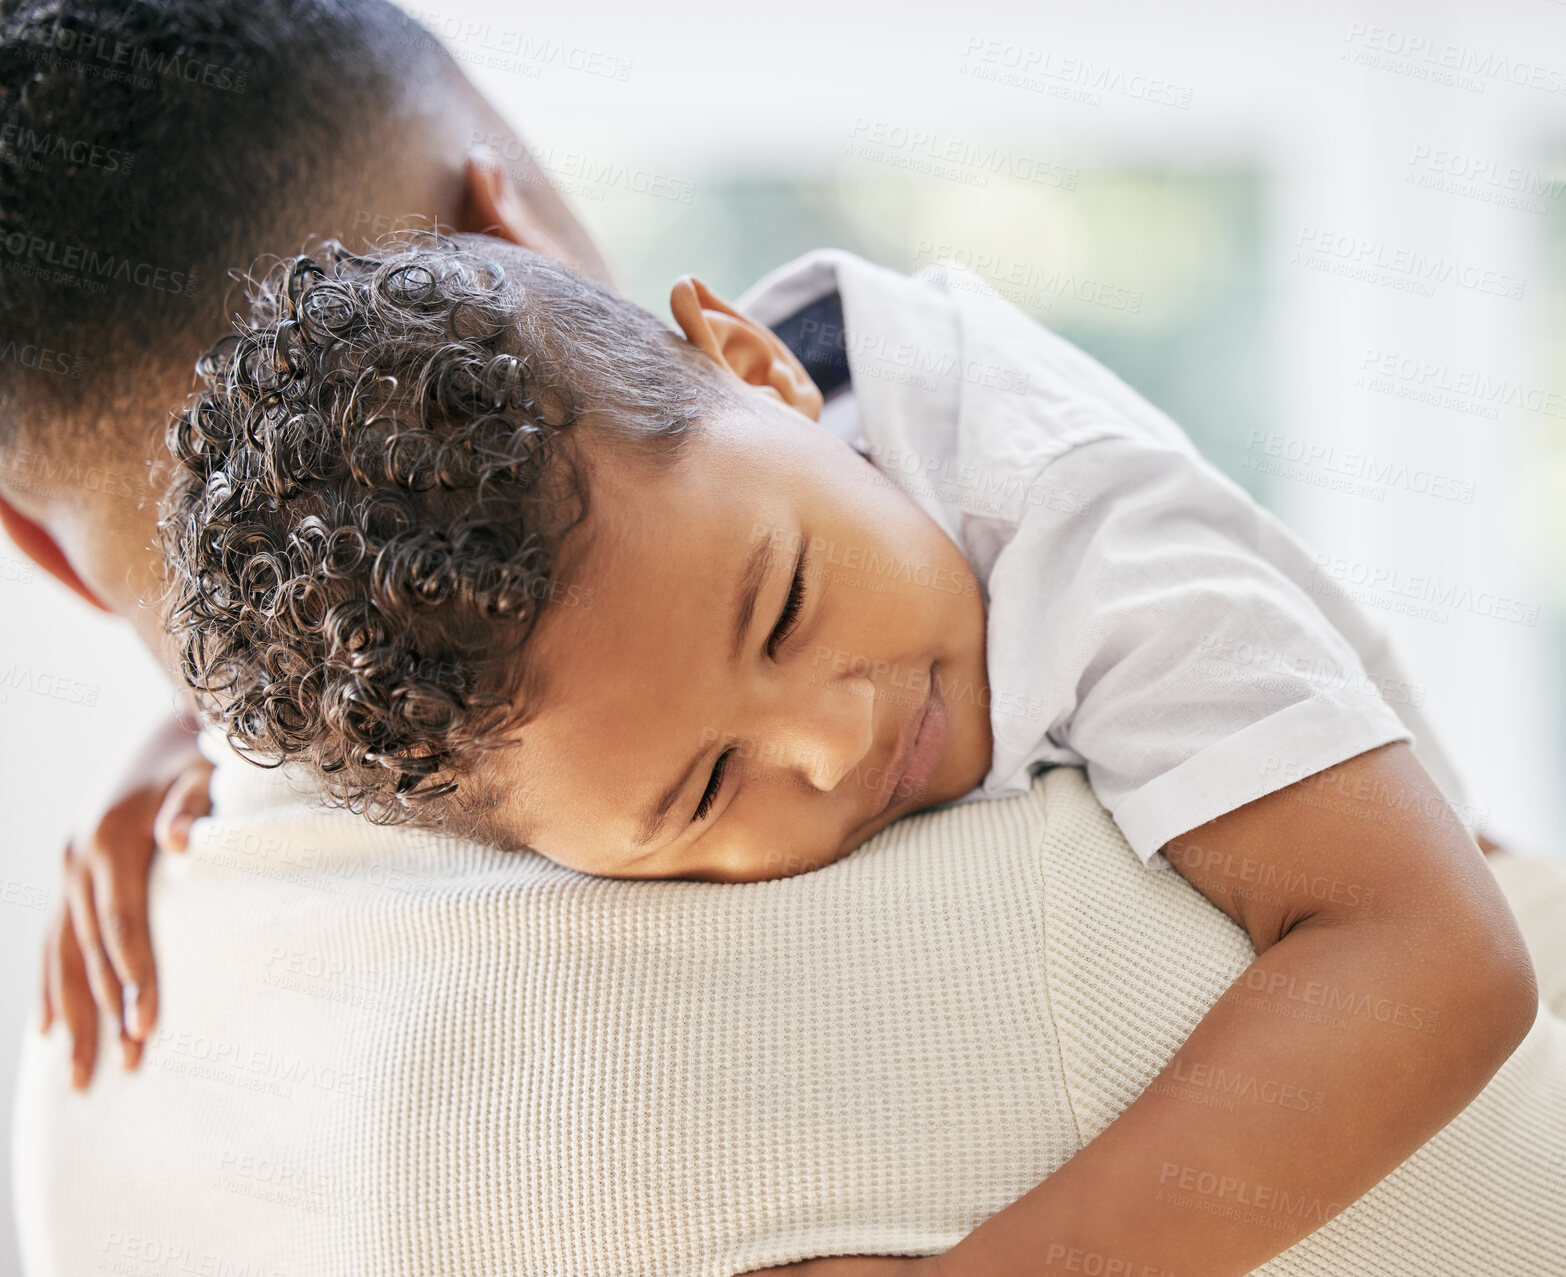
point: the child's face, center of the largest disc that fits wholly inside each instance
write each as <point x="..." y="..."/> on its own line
<point x="768" y="600"/>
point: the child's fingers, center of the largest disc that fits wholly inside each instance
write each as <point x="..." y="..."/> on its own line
<point x="130" y="1051"/>
<point x="187" y="800"/>
<point x="102" y="981"/>
<point x="46" y="1014"/>
<point x="119" y="885"/>
<point x="77" y="1007"/>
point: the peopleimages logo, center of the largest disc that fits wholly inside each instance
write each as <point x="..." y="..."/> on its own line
<point x="1027" y="283"/>
<point x="1236" y="1084"/>
<point x="18" y="570"/>
<point x="58" y="363"/>
<point x="1067" y="76"/>
<point x="41" y="473"/>
<point x="1488" y="181"/>
<point x="102" y="55"/>
<point x="579" y="173"/>
<point x="939" y="154"/>
<point x="1408" y="269"/>
<point x="1437" y="382"/>
<point x="870" y="563"/>
<point x="1423" y="57"/>
<point x="1256" y="1203"/>
<point x="505" y="42"/>
<point x="877" y="355"/>
<point x="1373" y="473"/>
<point x="23" y="895"/>
<point x="30" y="147"/>
<point x="34" y="254"/>
<point x="56" y="687"/>
<point x="1364" y="581"/>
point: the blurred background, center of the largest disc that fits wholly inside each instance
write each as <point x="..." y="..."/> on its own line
<point x="1328" y="239"/>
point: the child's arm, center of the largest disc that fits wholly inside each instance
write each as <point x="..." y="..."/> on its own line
<point x="1390" y="984"/>
<point x="98" y="953"/>
<point x="1391" y="981"/>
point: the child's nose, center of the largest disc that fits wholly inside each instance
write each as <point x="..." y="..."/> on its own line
<point x="823" y="732"/>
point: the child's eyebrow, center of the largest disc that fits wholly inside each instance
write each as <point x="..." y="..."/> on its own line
<point x="757" y="564"/>
<point x="658" y="814"/>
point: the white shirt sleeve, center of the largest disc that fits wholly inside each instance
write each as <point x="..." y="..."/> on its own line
<point x="1186" y="671"/>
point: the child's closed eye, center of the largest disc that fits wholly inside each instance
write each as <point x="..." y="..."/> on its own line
<point x="792" y="607"/>
<point x="714" y="784"/>
<point x="788" y="618"/>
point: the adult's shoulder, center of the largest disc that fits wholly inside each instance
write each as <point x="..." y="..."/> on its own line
<point x="381" y="1052"/>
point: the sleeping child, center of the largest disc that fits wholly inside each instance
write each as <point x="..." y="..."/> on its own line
<point x="485" y="547"/>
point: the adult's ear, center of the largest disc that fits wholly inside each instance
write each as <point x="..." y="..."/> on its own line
<point x="34" y="540"/>
<point x="492" y="205"/>
<point x="751" y="351"/>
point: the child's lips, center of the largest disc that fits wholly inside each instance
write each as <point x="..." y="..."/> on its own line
<point x="922" y="742"/>
<point x="929" y="746"/>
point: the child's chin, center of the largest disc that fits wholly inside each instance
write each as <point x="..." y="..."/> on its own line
<point x="922" y="802"/>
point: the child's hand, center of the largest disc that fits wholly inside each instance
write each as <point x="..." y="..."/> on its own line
<point x="99" y="951"/>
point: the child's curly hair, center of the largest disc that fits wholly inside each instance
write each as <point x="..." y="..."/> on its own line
<point x="370" y="496"/>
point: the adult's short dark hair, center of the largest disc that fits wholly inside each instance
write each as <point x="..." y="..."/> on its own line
<point x="146" y="148"/>
<point x="370" y="498"/>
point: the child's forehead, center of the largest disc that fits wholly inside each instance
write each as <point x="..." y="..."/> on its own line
<point x="677" y="538"/>
<point x="656" y="556"/>
<point x="637" y="497"/>
<point x="658" y="563"/>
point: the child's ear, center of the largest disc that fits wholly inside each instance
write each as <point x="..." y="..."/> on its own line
<point x="751" y="351"/>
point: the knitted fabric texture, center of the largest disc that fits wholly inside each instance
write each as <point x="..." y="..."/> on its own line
<point x="382" y="1053"/>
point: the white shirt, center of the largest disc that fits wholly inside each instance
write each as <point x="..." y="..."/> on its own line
<point x="1146" y="618"/>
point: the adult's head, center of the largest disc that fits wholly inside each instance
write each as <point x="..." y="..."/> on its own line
<point x="147" y="148"/>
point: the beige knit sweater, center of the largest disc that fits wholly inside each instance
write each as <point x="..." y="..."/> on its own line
<point x="388" y="1056"/>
